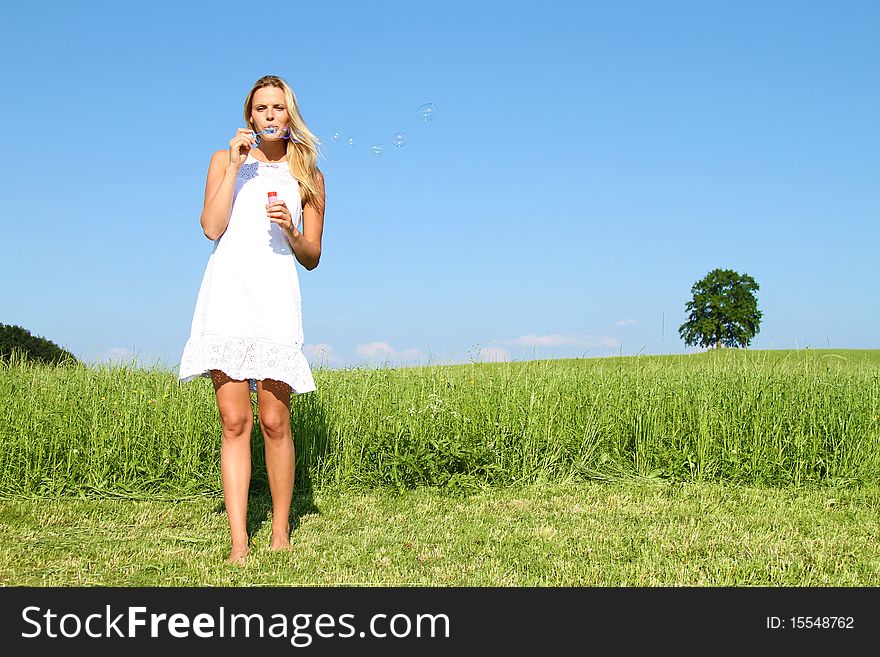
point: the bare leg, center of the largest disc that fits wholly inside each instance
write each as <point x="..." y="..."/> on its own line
<point x="273" y="398"/>
<point x="233" y="400"/>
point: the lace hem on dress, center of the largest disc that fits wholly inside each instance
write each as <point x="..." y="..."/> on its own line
<point x="246" y="358"/>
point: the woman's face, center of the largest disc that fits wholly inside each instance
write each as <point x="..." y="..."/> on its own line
<point x="268" y="108"/>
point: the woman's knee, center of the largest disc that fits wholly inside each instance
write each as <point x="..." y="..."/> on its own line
<point x="236" y="420"/>
<point x="273" y="399"/>
<point x="274" y="424"/>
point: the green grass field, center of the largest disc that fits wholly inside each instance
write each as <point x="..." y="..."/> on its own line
<point x="730" y="468"/>
<point x="550" y="534"/>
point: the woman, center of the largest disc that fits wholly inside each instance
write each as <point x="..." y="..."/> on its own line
<point x="247" y="325"/>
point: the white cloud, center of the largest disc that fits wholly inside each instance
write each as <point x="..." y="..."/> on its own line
<point x="556" y="340"/>
<point x="627" y="322"/>
<point x="383" y="351"/>
<point x="115" y="355"/>
<point x="373" y="349"/>
<point x="121" y="356"/>
<point x="553" y="340"/>
<point x="321" y="354"/>
<point x="492" y="355"/>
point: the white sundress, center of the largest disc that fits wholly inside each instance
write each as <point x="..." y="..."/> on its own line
<point x="248" y="315"/>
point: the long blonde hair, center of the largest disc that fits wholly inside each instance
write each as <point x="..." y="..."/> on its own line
<point x="302" y="147"/>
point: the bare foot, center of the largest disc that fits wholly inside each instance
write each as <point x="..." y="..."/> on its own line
<point x="280" y="540"/>
<point x="238" y="555"/>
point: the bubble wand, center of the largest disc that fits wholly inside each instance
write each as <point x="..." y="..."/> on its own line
<point x="271" y="130"/>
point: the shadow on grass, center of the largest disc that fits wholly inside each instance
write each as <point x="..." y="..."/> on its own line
<point x="259" y="511"/>
<point x="310" y="431"/>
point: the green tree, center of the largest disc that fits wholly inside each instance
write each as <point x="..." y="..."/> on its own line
<point x="723" y="310"/>
<point x="32" y="348"/>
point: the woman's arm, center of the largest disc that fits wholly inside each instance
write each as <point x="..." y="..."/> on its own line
<point x="218" y="195"/>
<point x="307" y="244"/>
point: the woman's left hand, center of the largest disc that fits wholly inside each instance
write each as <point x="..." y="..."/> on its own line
<point x="280" y="214"/>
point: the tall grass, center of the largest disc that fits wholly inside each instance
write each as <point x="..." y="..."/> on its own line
<point x="769" y="418"/>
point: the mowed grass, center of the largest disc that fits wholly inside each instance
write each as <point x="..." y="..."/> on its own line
<point x="545" y="534"/>
<point x="730" y="468"/>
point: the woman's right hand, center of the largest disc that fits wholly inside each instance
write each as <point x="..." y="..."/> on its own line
<point x="240" y="146"/>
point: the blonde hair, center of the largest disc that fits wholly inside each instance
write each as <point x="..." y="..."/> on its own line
<point x="302" y="147"/>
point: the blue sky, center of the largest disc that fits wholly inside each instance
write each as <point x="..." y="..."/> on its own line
<point x="587" y="163"/>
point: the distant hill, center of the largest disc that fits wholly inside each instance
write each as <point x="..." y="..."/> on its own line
<point x="849" y="357"/>
<point x="33" y="348"/>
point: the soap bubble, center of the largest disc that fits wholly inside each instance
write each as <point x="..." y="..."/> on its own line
<point x="426" y="112"/>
